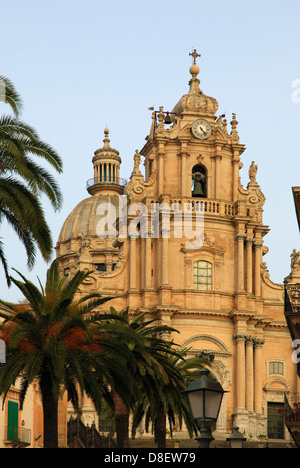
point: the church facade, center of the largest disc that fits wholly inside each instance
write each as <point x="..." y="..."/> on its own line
<point x="184" y="241"/>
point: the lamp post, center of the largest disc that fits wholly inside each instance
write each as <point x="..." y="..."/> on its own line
<point x="236" y="439"/>
<point x="205" y="397"/>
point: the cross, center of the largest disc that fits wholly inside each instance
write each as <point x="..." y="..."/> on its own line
<point x="195" y="55"/>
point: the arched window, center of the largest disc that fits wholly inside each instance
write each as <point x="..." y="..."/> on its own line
<point x="202" y="276"/>
<point x="199" y="179"/>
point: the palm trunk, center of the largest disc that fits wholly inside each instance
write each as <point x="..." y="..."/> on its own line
<point x="122" y="422"/>
<point x="50" y="410"/>
<point x="161" y="428"/>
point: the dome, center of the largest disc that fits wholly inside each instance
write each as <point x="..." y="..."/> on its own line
<point x="196" y="102"/>
<point x="87" y="240"/>
<point x="84" y="219"/>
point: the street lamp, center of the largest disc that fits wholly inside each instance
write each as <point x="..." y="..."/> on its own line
<point x="205" y="397"/>
<point x="236" y="439"/>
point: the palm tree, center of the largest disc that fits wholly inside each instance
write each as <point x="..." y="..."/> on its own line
<point x="149" y="365"/>
<point x="53" y="341"/>
<point x="169" y="400"/>
<point x="22" y="181"/>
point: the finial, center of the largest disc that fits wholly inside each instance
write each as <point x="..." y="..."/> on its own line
<point x="194" y="69"/>
<point x="194" y="54"/>
<point x="234" y="132"/>
<point x="106" y="140"/>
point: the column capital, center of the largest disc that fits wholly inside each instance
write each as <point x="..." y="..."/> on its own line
<point x="183" y="153"/>
<point x="250" y="340"/>
<point x="217" y="156"/>
<point x="240" y="237"/>
<point x="258" y="342"/>
<point x="165" y="232"/>
<point x="134" y="235"/>
<point x="240" y="337"/>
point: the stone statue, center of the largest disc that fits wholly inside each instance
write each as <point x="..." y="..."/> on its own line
<point x="253" y="172"/>
<point x="137" y="162"/>
<point x="199" y="184"/>
<point x="295" y="260"/>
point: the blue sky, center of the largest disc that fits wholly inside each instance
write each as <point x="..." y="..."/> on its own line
<point x="82" y="66"/>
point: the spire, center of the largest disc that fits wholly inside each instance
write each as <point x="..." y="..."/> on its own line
<point x="194" y="71"/>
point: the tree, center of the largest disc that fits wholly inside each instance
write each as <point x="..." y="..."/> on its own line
<point x="22" y="181"/>
<point x="169" y="400"/>
<point x="148" y="364"/>
<point x="53" y="340"/>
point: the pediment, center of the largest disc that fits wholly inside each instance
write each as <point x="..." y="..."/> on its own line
<point x="206" y="343"/>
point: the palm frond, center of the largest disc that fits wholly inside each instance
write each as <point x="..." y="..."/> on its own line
<point x="11" y="96"/>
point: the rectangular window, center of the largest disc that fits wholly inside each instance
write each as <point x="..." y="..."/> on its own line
<point x="101" y="267"/>
<point x="275" y="421"/>
<point x="12" y="420"/>
<point x="276" y="367"/>
<point x="202" y="276"/>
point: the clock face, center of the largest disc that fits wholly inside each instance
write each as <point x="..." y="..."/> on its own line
<point x="201" y="129"/>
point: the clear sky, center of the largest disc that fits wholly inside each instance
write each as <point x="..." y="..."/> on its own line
<point x="81" y="66"/>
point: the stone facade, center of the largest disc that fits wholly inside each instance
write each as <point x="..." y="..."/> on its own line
<point x="215" y="288"/>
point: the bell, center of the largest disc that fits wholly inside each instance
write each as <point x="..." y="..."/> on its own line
<point x="198" y="191"/>
<point x="198" y="185"/>
<point x="168" y="119"/>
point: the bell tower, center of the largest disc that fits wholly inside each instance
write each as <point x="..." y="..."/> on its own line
<point x="197" y="156"/>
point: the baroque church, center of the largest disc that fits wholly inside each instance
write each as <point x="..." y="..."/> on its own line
<point x="215" y="288"/>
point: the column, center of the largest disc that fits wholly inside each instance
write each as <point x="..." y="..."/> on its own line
<point x="184" y="177"/>
<point x="257" y="264"/>
<point x="249" y="374"/>
<point x="258" y="369"/>
<point x="249" y="273"/>
<point x="212" y="180"/>
<point x="218" y="159"/>
<point x="240" y="370"/>
<point x="165" y="232"/>
<point x="235" y="175"/>
<point x="132" y="261"/>
<point x="160" y="156"/>
<point x="240" y="261"/>
<point x="148" y="267"/>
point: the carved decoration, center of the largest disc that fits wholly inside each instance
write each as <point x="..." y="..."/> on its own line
<point x="137" y="188"/>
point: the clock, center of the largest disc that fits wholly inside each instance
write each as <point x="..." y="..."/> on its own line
<point x="201" y="129"/>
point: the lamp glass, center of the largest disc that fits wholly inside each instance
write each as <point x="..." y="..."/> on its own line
<point x="236" y="443"/>
<point x="205" y="405"/>
<point x="196" y="404"/>
<point x="212" y="404"/>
